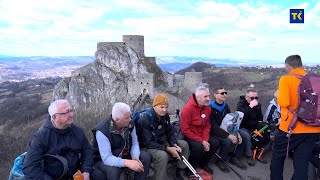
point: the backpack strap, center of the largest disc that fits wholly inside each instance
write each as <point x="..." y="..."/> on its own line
<point x="294" y="120"/>
<point x="153" y="123"/>
<point x="63" y="161"/>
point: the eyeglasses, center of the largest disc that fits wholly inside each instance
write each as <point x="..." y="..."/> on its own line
<point x="252" y="98"/>
<point x="223" y="93"/>
<point x="68" y="111"/>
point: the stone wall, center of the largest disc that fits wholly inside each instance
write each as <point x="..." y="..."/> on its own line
<point x="136" y="42"/>
<point x="192" y="80"/>
<point x="142" y="84"/>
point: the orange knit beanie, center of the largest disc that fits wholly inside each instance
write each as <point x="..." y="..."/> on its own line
<point x="160" y="99"/>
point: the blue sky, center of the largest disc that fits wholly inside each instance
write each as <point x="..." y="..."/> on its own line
<point x="218" y="29"/>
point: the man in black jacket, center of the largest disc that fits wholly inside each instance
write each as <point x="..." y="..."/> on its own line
<point x="156" y="134"/>
<point x="219" y="109"/>
<point x="58" y="136"/>
<point x="250" y="106"/>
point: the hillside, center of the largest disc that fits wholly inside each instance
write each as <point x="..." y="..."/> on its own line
<point x="23" y="107"/>
<point x="196" y="67"/>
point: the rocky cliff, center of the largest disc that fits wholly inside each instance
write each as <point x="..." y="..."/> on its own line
<point x="94" y="88"/>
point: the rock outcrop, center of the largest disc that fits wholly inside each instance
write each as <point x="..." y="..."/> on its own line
<point x="120" y="74"/>
<point x="94" y="88"/>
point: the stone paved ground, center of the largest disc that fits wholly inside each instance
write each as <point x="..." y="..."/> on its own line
<point x="258" y="172"/>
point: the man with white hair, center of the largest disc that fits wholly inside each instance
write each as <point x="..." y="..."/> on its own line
<point x="116" y="146"/>
<point x="58" y="136"/>
<point x="195" y="125"/>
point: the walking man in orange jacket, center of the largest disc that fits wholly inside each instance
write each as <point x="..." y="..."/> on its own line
<point x="303" y="138"/>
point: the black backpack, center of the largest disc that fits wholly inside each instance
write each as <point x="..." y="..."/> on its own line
<point x="138" y="114"/>
<point x="176" y="130"/>
<point x="261" y="136"/>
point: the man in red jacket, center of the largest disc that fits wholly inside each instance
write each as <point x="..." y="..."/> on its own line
<point x="195" y="125"/>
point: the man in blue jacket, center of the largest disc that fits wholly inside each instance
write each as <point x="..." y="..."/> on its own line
<point x="219" y="110"/>
<point x="58" y="136"/>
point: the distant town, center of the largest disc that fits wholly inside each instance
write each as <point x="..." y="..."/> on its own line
<point x="17" y="75"/>
<point x="24" y="68"/>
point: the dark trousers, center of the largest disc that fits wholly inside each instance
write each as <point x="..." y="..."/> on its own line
<point x="198" y="157"/>
<point x="114" y="173"/>
<point x="227" y="146"/>
<point x="301" y="145"/>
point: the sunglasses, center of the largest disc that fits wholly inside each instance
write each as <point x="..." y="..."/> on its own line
<point x="252" y="98"/>
<point x="223" y="93"/>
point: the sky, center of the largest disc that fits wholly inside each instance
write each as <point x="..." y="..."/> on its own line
<point x="252" y="30"/>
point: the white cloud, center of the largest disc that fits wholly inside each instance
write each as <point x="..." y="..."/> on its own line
<point x="220" y="12"/>
<point x="142" y="7"/>
<point x="205" y="28"/>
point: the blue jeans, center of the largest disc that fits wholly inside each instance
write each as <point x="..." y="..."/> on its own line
<point x="301" y="145"/>
<point x="245" y="134"/>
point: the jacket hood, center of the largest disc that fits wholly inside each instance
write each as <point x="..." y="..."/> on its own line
<point x="115" y="130"/>
<point x="243" y="99"/>
<point x="48" y="124"/>
<point x="193" y="100"/>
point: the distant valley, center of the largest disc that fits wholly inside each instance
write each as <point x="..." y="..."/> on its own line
<point x="24" y="68"/>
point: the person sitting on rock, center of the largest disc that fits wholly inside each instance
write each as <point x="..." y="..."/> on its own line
<point x="58" y="136"/>
<point x="195" y="126"/>
<point x="116" y="146"/>
<point x="157" y="135"/>
<point x="250" y="106"/>
<point x="219" y="108"/>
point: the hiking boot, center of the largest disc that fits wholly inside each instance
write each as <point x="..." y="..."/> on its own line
<point x="262" y="160"/>
<point x="190" y="175"/>
<point x="207" y="168"/>
<point x="187" y="172"/>
<point x="235" y="161"/>
<point x="180" y="174"/>
<point x="222" y="166"/>
<point x="251" y="161"/>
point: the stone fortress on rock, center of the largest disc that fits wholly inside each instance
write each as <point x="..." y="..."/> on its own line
<point x="122" y="73"/>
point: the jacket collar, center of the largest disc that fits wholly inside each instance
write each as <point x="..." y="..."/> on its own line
<point x="300" y="71"/>
<point x="114" y="129"/>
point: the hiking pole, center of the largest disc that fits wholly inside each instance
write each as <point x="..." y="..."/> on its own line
<point x="256" y="133"/>
<point x="229" y="167"/>
<point x="186" y="162"/>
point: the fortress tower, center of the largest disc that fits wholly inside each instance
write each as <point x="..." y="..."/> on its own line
<point x="142" y="84"/>
<point x="192" y="80"/>
<point x="136" y="42"/>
